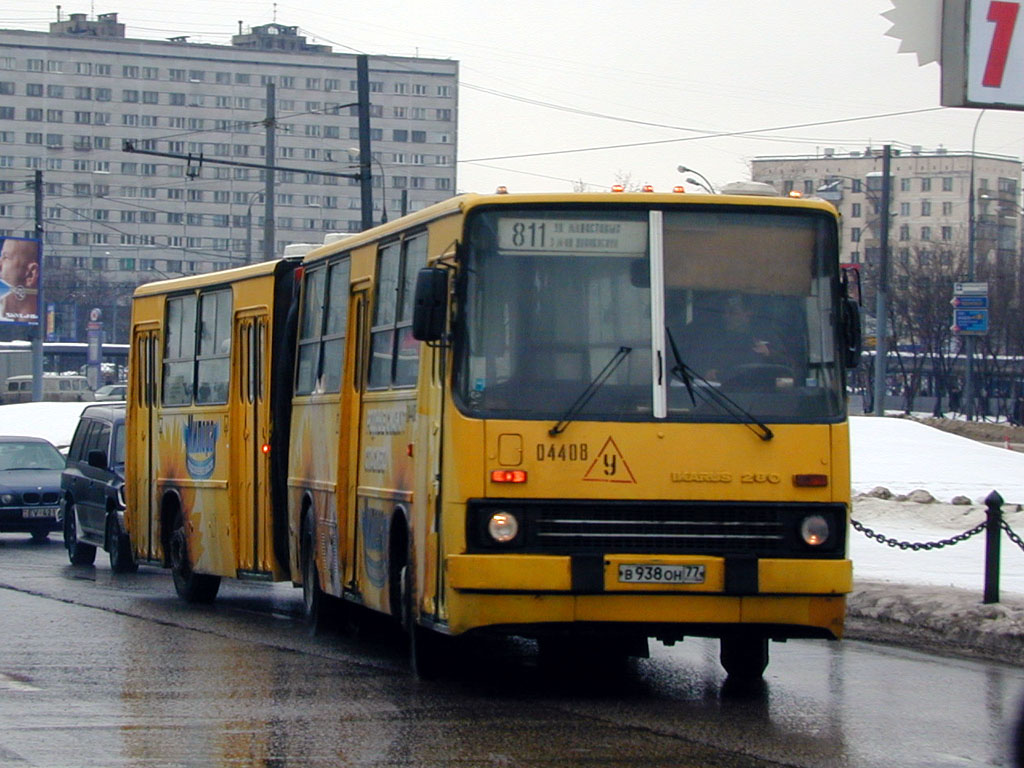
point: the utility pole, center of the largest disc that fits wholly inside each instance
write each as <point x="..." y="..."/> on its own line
<point x="365" y="157"/>
<point x="40" y="334"/>
<point x="269" y="233"/>
<point x="882" y="292"/>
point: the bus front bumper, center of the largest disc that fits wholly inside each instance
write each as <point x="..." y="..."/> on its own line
<point x="494" y="590"/>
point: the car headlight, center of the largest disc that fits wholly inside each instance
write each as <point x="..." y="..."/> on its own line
<point x="120" y="497"/>
<point x="6" y="498"/>
<point x="814" y="530"/>
<point x="503" y="527"/>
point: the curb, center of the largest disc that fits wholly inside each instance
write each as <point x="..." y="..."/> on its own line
<point x="938" y="620"/>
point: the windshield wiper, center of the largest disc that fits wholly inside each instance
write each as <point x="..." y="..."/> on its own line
<point x="710" y="394"/>
<point x="590" y="391"/>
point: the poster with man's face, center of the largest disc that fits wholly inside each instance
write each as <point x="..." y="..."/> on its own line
<point x="20" y="259"/>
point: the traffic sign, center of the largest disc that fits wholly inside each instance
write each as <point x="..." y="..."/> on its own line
<point x="968" y="322"/>
<point x="970" y="302"/>
<point x="970" y="289"/>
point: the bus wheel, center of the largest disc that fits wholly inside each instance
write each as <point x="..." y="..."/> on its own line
<point x="78" y="553"/>
<point x="191" y="587"/>
<point x="315" y="603"/>
<point x="744" y="656"/>
<point x="429" y="651"/>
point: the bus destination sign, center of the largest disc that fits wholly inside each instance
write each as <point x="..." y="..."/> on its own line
<point x="581" y="237"/>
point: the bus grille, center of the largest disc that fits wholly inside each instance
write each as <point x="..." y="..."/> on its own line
<point x="718" y="528"/>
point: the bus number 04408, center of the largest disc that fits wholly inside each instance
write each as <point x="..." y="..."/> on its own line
<point x="565" y="452"/>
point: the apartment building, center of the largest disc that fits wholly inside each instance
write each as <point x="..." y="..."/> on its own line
<point x="70" y="97"/>
<point x="929" y="208"/>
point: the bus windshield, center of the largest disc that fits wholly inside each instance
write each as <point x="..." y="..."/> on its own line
<point x="649" y="312"/>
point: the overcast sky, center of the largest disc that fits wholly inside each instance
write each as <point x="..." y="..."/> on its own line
<point x="654" y="79"/>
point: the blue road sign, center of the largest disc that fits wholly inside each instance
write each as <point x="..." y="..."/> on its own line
<point x="970" y="321"/>
<point x="970" y="302"/>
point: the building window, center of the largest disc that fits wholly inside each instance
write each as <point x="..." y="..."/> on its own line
<point x="855" y="211"/>
<point x="947" y="233"/>
<point x="926" y="208"/>
<point x="904" y="185"/>
<point x="904" y="209"/>
<point x="855" y="234"/>
<point x="947" y="183"/>
<point x="855" y="186"/>
<point x="904" y="232"/>
<point x="947" y="209"/>
<point x="926" y="184"/>
<point x="926" y="233"/>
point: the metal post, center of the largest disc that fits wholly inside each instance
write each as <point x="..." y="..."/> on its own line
<point x="882" y="292"/>
<point x="993" y="532"/>
<point x="972" y="237"/>
<point x="269" y="234"/>
<point x="40" y="334"/>
<point x="365" y="155"/>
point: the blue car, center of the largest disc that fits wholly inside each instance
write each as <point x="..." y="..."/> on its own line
<point x="30" y="469"/>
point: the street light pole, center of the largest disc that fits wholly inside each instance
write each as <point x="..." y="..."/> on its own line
<point x="971" y="244"/>
<point x="707" y="184"/>
<point x="882" y="291"/>
<point x="365" y="164"/>
<point x="248" y="227"/>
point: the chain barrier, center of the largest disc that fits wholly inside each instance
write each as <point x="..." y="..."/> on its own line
<point x="917" y="546"/>
<point x="1014" y="537"/>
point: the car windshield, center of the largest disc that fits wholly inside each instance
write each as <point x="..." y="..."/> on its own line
<point x="29" y="455"/>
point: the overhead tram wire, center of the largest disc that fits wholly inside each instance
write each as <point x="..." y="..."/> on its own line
<point x="722" y="134"/>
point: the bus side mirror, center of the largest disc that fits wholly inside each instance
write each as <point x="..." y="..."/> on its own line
<point x="430" y="304"/>
<point x="853" y="340"/>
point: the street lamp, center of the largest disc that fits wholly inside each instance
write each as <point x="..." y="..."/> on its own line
<point x="971" y="238"/>
<point x="248" y="225"/>
<point x="383" y="182"/>
<point x="704" y="183"/>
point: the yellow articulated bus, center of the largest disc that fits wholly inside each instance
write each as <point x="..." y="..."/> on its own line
<point x="588" y="419"/>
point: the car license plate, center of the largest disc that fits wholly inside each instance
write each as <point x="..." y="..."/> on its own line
<point x="40" y="512"/>
<point x="661" y="574"/>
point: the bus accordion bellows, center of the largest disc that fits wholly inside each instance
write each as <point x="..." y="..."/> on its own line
<point x="588" y="419"/>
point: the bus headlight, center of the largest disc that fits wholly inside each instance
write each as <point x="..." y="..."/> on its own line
<point x="814" y="530"/>
<point x="503" y="527"/>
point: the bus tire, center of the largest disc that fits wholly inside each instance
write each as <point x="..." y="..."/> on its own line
<point x="744" y="657"/>
<point x="315" y="602"/>
<point x="78" y="553"/>
<point x="191" y="587"/>
<point x="429" y="651"/>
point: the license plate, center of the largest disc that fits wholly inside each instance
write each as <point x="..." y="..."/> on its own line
<point x="661" y="574"/>
<point x="40" y="512"/>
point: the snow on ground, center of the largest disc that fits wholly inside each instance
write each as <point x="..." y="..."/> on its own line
<point x="903" y="455"/>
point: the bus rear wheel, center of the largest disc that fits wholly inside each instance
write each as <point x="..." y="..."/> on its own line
<point x="191" y="587"/>
<point x="744" y="657"/>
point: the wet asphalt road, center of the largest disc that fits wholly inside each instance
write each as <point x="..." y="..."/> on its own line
<point x="106" y="670"/>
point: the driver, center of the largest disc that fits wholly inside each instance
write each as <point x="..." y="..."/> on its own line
<point x="738" y="341"/>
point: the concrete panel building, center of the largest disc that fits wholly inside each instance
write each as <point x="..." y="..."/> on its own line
<point x="70" y="97"/>
<point x="930" y="191"/>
